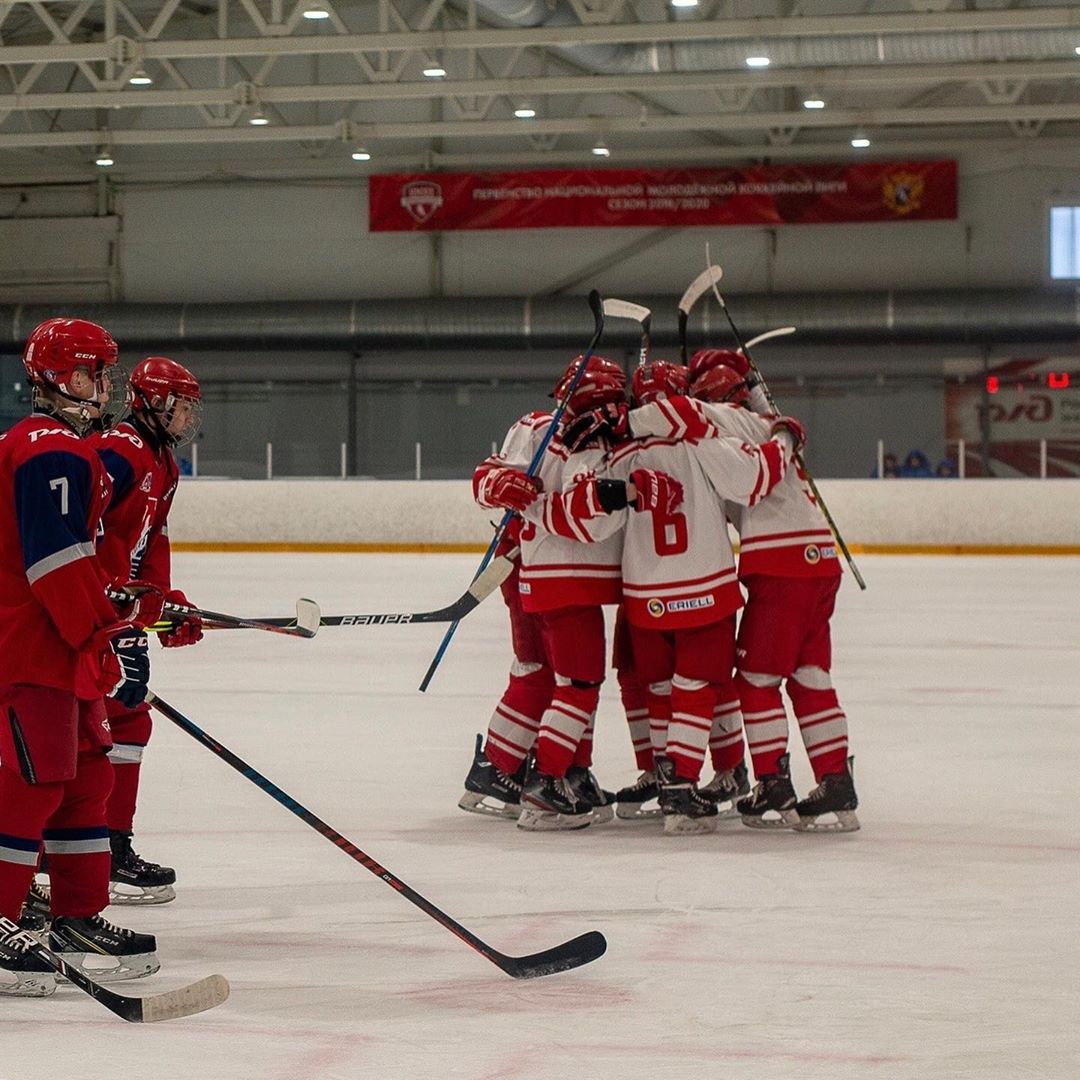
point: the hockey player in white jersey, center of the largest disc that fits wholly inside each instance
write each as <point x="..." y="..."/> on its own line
<point x="563" y="584"/>
<point x="789" y="567"/>
<point x="679" y="581"/>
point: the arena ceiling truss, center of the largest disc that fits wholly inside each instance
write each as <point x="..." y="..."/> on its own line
<point x="261" y="88"/>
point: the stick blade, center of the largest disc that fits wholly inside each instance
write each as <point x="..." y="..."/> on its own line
<point x="624" y="309"/>
<point x="570" y="954"/>
<point x="205" y="994"/>
<point x="308" y="617"/>
<point x="493" y="575"/>
<point x="697" y="288"/>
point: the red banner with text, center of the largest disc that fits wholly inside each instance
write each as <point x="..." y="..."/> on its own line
<point x="581" y="198"/>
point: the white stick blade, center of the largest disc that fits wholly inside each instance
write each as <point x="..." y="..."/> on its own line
<point x="206" y="994"/>
<point x="623" y="309"/>
<point x="308" y="616"/>
<point x="699" y="287"/>
<point x="780" y="331"/>
<point x="494" y="574"/>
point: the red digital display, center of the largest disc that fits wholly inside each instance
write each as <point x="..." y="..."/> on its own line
<point x="1055" y="380"/>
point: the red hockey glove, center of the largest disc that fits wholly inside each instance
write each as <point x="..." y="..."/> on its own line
<point x="656" y="491"/>
<point x="512" y="490"/>
<point x="186" y="632"/>
<point x="793" y="428"/>
<point x="608" y="421"/>
<point x="144" y="608"/>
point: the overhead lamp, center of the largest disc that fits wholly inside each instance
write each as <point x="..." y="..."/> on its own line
<point x="758" y="61"/>
<point x="684" y="3"/>
<point x="314" y="13"/>
<point x="140" y="78"/>
<point x="259" y="119"/>
<point x="813" y="103"/>
<point x="524" y="112"/>
<point x="600" y="150"/>
<point x="104" y="159"/>
<point x="435" y="71"/>
<point x="860" y="142"/>
<point x="360" y="154"/>
<point x="1077" y="50"/>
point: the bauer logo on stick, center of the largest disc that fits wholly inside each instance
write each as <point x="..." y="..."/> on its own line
<point x="420" y="199"/>
<point x="376" y="620"/>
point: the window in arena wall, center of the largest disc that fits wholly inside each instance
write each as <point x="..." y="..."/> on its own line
<point x="1064" y="243"/>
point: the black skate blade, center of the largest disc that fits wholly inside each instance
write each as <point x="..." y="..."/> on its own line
<point x="570" y="954"/>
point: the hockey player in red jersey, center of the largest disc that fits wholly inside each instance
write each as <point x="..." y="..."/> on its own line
<point x="62" y="646"/>
<point x="789" y="567"/>
<point x="679" y="581"/>
<point x="493" y="784"/>
<point x="164" y="411"/>
<point x="564" y="583"/>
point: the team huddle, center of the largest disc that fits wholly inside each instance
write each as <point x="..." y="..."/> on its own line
<point x="630" y="506"/>
<point x="84" y="572"/>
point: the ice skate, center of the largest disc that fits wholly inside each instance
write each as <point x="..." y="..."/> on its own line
<point x="549" y="803"/>
<point x="588" y="790"/>
<point x="834" y="796"/>
<point x="21" y="973"/>
<point x="35" y="911"/>
<point x="772" y="794"/>
<point x="488" y="790"/>
<point x="133" y="880"/>
<point x="725" y="788"/>
<point x="105" y="952"/>
<point x="686" y="810"/>
<point x="630" y="801"/>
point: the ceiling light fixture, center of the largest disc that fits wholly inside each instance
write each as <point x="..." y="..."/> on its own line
<point x="813" y="103"/>
<point x="600" y="150"/>
<point x="360" y="154"/>
<point x="684" y="3"/>
<point x="758" y="61"/>
<point x="314" y="13"/>
<point x="259" y="119"/>
<point x="860" y="142"/>
<point x="104" y="159"/>
<point x="140" y="78"/>
<point x="435" y="71"/>
<point x="524" y="112"/>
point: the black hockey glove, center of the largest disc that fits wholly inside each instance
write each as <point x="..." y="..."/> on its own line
<point x="126" y="664"/>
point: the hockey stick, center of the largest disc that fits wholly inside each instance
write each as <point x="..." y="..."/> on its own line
<point x="199" y="996"/>
<point x="694" y="292"/>
<point x="780" y="331"/>
<point x="797" y="457"/>
<point x="597" y="306"/>
<point x="305" y="624"/>
<point x="623" y="309"/>
<point x="570" y="954"/>
<point x="486" y="583"/>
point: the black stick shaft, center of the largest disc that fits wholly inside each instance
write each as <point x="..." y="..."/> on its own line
<point x="508" y="964"/>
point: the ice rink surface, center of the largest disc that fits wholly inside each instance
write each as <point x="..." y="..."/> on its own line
<point x="938" y="943"/>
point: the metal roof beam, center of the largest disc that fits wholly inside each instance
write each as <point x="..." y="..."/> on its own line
<point x="819" y="77"/>
<point x="755" y="29"/>
<point x="592" y="126"/>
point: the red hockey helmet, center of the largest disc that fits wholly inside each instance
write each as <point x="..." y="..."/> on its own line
<point x="603" y="381"/>
<point x="658" y="380"/>
<point x="171" y="393"/>
<point x="706" y="359"/>
<point x="57" y="347"/>
<point x="720" y="384"/>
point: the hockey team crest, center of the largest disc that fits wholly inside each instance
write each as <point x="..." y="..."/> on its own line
<point x="655" y="607"/>
<point x="902" y="192"/>
<point x="811" y="554"/>
<point x="145" y="485"/>
<point x="420" y="199"/>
